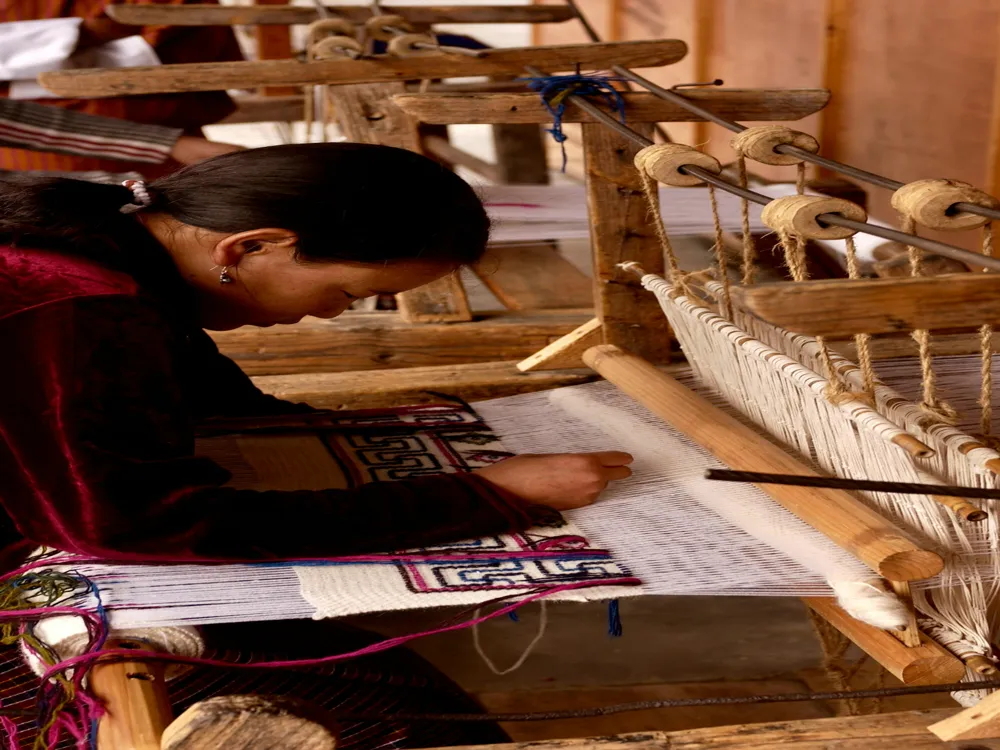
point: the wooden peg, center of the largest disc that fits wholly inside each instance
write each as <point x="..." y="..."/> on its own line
<point x="980" y="722"/>
<point x="565" y="353"/>
<point x="134" y="693"/>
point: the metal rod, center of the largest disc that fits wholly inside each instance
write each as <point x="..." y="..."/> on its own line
<point x="596" y="38"/>
<point x="838" y="483"/>
<point x="808" y="156"/>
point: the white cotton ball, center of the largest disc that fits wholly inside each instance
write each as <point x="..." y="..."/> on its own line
<point x="868" y="602"/>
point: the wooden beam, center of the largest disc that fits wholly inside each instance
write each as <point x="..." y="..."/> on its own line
<point x="904" y="730"/>
<point x="382" y="340"/>
<point x="567" y="352"/>
<point x="264" y="108"/>
<point x="840" y="307"/>
<point x="838" y="16"/>
<point x="366" y="114"/>
<point x="284" y="15"/>
<point x="97" y="82"/>
<point x="736" y="104"/>
<point x="250" y="722"/>
<point x="415" y="385"/>
<point x="992" y="185"/>
<point x="926" y="664"/>
<point x="533" y="277"/>
<point x="441" y="301"/>
<point x="979" y="722"/>
<point x="891" y="346"/>
<point x="621" y="229"/>
<point x="443" y="150"/>
<point x="864" y="533"/>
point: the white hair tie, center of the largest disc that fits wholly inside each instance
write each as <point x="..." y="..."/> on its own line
<point x="140" y="197"/>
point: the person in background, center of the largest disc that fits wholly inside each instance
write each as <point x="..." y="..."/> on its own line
<point x="187" y="112"/>
<point x="28" y="125"/>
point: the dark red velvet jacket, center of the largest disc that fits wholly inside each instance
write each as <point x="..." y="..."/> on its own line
<point x="101" y="384"/>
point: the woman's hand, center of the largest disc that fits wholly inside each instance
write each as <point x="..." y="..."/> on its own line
<point x="190" y="149"/>
<point x="559" y="480"/>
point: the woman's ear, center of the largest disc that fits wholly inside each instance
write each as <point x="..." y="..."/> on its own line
<point x="230" y="250"/>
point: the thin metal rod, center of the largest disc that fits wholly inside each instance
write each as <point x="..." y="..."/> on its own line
<point x="596" y="38"/>
<point x="838" y="483"/>
<point x="808" y="156"/>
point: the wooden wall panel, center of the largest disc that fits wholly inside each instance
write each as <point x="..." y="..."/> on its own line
<point x="916" y="93"/>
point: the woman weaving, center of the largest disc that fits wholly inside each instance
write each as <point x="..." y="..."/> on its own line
<point x="104" y="295"/>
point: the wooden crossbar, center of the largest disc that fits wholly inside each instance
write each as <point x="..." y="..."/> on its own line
<point x="841" y="307"/>
<point x="98" y="82"/>
<point x="737" y="104"/>
<point x="287" y="15"/>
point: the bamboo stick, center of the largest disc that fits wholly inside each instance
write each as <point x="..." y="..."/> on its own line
<point x="857" y="528"/>
<point x="137" y="709"/>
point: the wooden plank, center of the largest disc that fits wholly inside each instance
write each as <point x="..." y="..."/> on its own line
<point x="736" y="104"/>
<point x="621" y="229"/>
<point x="927" y="664"/>
<point x="283" y="15"/>
<point x="567" y="352"/>
<point x="97" y="82"/>
<point x="840" y="307"/>
<point x="441" y="301"/>
<point x="979" y="722"/>
<point x="415" y="385"/>
<point x="533" y="277"/>
<point x="662" y="719"/>
<point x="382" y="340"/>
<point x="905" y="730"/>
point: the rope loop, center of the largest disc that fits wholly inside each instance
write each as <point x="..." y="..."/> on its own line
<point x="334" y="46"/>
<point x="555" y="90"/>
<point x="378" y="27"/>
<point x="758" y="143"/>
<point x="663" y="162"/>
<point x="327" y="27"/>
<point x="404" y="45"/>
<point x="929" y="202"/>
<point x="797" y="215"/>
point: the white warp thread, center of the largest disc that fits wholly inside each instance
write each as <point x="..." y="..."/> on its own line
<point x="543" y="623"/>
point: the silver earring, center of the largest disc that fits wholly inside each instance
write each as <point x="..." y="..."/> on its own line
<point x="225" y="277"/>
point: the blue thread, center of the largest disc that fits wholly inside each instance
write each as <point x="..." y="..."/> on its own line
<point x="554" y="91"/>
<point x="513" y="616"/>
<point x="614" y="619"/>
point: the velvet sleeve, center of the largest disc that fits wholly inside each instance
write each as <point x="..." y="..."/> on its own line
<point x="97" y="458"/>
<point x="242" y="398"/>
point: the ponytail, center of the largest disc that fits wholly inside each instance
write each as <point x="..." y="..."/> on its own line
<point x="345" y="202"/>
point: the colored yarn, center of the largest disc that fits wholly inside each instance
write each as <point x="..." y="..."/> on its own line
<point x="555" y="90"/>
<point x="614" y="619"/>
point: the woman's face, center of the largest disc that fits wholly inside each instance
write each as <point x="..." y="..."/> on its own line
<point x="267" y="284"/>
<point x="272" y="290"/>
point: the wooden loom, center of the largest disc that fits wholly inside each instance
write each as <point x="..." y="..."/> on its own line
<point x="629" y="325"/>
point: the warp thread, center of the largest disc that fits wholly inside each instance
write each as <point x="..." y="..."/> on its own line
<point x="555" y="90"/>
<point x="614" y="619"/>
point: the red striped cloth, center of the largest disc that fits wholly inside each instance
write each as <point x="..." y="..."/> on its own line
<point x="178" y="44"/>
<point x="40" y="128"/>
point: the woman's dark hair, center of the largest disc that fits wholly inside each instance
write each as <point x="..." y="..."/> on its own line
<point x="345" y="201"/>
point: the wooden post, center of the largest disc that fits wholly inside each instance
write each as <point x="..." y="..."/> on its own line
<point x="275" y="43"/>
<point x="134" y="694"/>
<point x="621" y="229"/>
<point x="838" y="13"/>
<point x="993" y="158"/>
<point x="704" y="29"/>
<point x="870" y="537"/>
